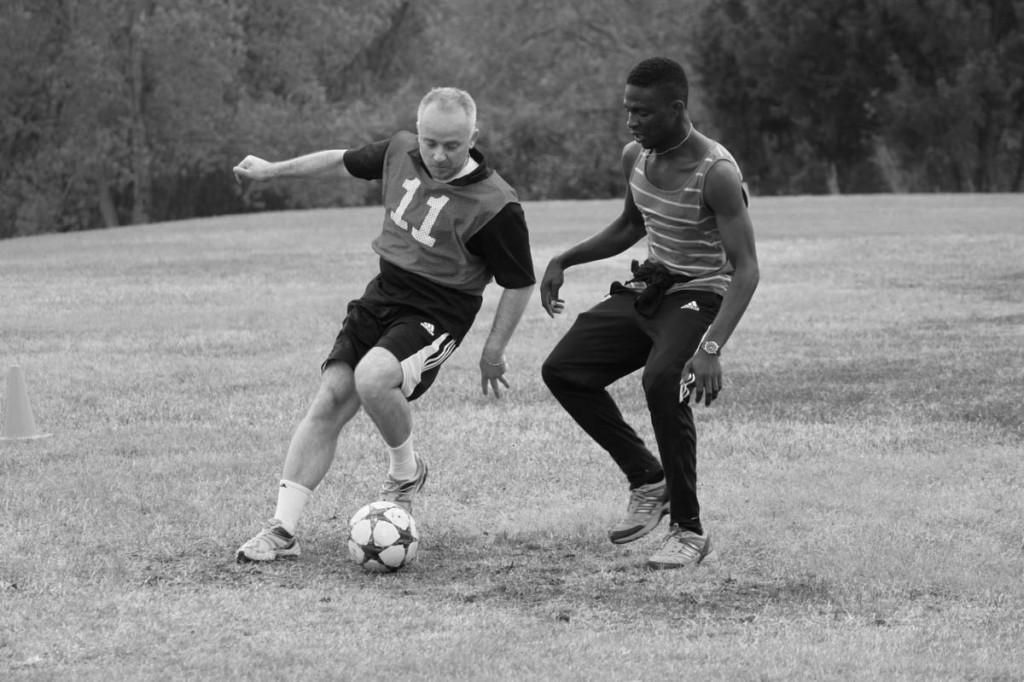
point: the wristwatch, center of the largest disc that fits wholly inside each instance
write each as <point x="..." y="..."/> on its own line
<point x="711" y="348"/>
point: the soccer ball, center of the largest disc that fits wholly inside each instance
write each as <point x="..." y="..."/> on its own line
<point x="382" y="537"/>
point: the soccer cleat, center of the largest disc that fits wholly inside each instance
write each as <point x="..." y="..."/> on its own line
<point x="401" y="492"/>
<point x="682" y="548"/>
<point x="647" y="504"/>
<point x="273" y="542"/>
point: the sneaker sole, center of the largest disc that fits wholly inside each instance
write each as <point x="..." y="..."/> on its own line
<point x="640" y="531"/>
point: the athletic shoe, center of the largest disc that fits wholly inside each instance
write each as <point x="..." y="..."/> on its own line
<point x="682" y="548"/>
<point x="401" y="492"/>
<point x="273" y="542"/>
<point x="647" y="504"/>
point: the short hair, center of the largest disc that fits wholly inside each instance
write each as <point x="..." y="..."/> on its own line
<point x="449" y="99"/>
<point x="664" y="73"/>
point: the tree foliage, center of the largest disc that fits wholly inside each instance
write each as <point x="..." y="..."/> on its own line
<point x="127" y="111"/>
<point x="955" y="117"/>
<point x="869" y="95"/>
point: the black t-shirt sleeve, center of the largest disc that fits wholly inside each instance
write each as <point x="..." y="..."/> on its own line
<point x="367" y="162"/>
<point x="504" y="244"/>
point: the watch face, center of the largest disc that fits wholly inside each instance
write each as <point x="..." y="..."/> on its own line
<point x="710" y="347"/>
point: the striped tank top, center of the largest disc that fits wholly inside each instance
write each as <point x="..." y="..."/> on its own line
<point x="682" y="232"/>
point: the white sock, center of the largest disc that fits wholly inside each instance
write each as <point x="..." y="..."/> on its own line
<point x="402" y="461"/>
<point x="291" y="500"/>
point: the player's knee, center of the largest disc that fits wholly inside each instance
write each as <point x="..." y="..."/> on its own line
<point x="660" y="388"/>
<point x="556" y="374"/>
<point x="376" y="374"/>
<point x="549" y="372"/>
<point x="367" y="382"/>
<point x="335" y="392"/>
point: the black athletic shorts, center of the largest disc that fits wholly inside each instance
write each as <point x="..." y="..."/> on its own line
<point x="419" y="343"/>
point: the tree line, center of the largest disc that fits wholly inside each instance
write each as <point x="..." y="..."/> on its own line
<point x="130" y="111"/>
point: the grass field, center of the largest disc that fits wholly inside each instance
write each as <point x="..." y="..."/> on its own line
<point x="861" y="472"/>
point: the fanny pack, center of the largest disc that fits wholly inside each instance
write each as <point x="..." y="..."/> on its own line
<point x="649" y="283"/>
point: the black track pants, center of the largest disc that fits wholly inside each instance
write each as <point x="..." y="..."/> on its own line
<point x="612" y="340"/>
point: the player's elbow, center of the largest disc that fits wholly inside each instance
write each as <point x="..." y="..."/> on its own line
<point x="749" y="273"/>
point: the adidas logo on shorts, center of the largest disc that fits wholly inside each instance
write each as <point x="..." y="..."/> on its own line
<point x="429" y="327"/>
<point x="692" y="305"/>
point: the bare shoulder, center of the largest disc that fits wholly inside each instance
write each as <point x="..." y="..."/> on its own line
<point x="723" y="188"/>
<point x="630" y="152"/>
<point x="724" y="172"/>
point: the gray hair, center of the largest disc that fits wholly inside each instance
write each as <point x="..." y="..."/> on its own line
<point x="449" y="99"/>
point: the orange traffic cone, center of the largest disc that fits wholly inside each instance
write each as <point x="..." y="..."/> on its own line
<point x="18" y="421"/>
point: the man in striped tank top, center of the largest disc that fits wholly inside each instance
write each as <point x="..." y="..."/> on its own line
<point x="686" y="195"/>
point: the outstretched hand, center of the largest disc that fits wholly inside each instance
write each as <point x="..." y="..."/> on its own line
<point x="492" y="374"/>
<point x="550" y="284"/>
